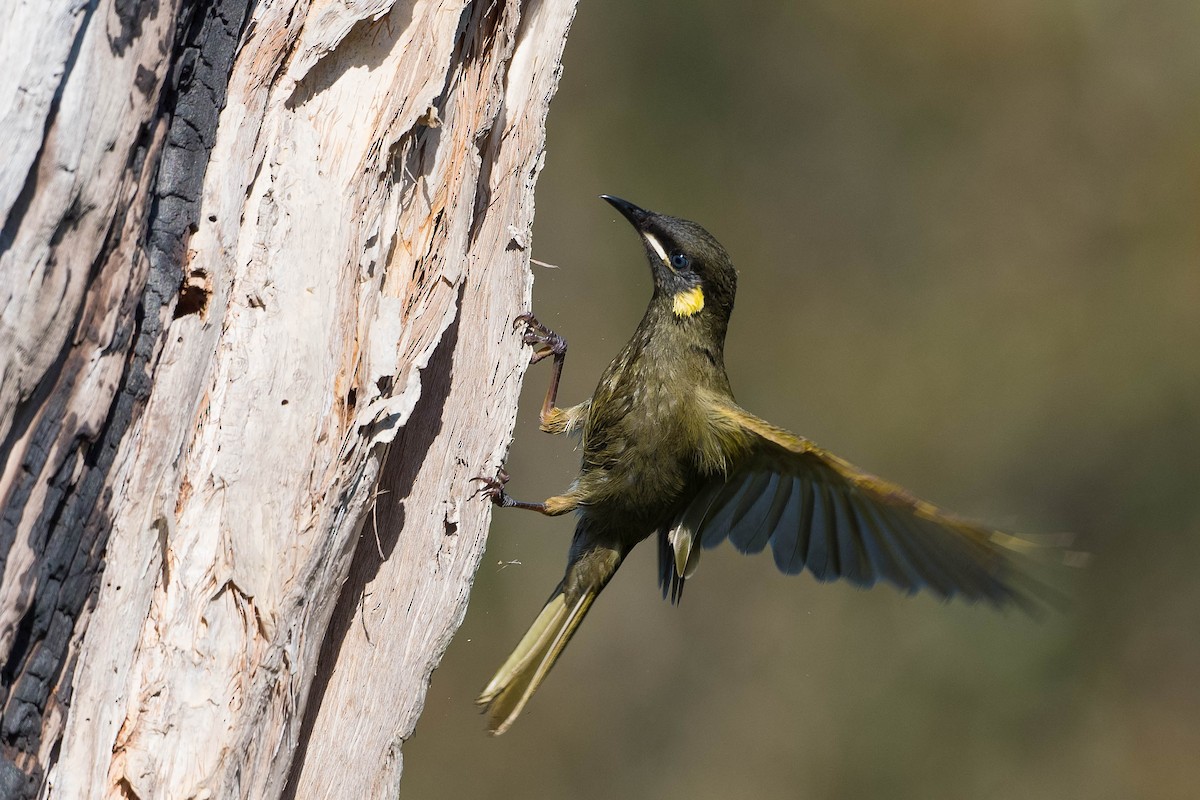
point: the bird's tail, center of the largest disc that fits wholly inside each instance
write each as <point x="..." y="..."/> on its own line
<point x="515" y="682"/>
<point x="519" y="677"/>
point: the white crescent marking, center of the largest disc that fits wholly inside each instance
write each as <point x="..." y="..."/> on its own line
<point x="658" y="248"/>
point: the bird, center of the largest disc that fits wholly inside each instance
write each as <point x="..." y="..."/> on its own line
<point x="668" y="453"/>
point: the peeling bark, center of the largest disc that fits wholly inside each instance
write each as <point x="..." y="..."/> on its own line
<point x="259" y="267"/>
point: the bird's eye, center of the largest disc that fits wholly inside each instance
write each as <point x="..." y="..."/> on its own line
<point x="680" y="261"/>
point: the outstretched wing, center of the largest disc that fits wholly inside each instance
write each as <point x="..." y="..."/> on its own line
<point x="820" y="513"/>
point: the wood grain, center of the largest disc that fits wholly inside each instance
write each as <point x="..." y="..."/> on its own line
<point x="283" y="536"/>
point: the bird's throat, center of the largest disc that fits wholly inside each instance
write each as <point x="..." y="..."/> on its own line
<point x="688" y="302"/>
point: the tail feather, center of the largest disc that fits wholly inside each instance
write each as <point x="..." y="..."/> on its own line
<point x="506" y="695"/>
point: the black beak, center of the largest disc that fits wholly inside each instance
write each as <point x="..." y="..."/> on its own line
<point x="636" y="216"/>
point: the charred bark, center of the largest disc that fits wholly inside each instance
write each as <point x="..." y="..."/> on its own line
<point x="253" y="258"/>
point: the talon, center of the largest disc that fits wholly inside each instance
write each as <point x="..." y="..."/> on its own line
<point x="493" y="488"/>
<point x="549" y="342"/>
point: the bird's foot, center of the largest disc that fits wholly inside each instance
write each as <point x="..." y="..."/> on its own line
<point x="493" y="488"/>
<point x="547" y="341"/>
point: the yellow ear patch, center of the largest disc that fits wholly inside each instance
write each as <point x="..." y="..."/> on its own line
<point x="688" y="302"/>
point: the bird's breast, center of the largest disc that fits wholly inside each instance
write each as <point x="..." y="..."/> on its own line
<point x="640" y="450"/>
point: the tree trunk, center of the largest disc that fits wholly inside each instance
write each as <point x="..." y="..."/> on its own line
<point x="258" y="270"/>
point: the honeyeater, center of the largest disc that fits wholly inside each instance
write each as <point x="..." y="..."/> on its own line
<point x="668" y="453"/>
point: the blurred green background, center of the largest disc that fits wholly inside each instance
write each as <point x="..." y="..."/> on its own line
<point x="970" y="262"/>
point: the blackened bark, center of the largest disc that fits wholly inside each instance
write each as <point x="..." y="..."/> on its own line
<point x="71" y="530"/>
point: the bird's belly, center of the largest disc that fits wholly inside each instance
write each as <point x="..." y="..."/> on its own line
<point x="645" y="466"/>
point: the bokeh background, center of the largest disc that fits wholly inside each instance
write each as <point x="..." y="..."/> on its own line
<point x="968" y="240"/>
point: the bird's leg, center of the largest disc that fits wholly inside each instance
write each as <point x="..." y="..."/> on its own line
<point x="548" y="343"/>
<point x="493" y="488"/>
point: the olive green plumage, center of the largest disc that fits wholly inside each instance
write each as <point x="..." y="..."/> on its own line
<point x="668" y="453"/>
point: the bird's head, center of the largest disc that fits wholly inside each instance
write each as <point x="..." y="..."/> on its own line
<point x="692" y="272"/>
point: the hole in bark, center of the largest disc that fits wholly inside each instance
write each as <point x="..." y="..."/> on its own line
<point x="126" y="789"/>
<point x="194" y="294"/>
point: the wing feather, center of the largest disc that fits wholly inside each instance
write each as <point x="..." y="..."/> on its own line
<point x="790" y="541"/>
<point x="819" y="512"/>
<point x="749" y="533"/>
<point x="935" y="574"/>
<point x="822" y="538"/>
<point x="785" y="487"/>
<point x="909" y="569"/>
<point x="726" y="504"/>
<point x="854" y="560"/>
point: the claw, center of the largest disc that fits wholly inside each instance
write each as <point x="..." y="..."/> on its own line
<point x="538" y="334"/>
<point x="493" y="488"/>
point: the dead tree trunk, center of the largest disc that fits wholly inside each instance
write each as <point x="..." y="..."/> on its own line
<point x="259" y="264"/>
